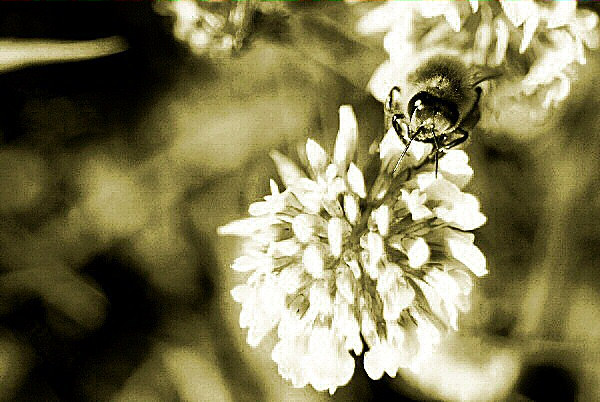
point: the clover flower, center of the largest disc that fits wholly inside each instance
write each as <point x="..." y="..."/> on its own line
<point x="209" y="28"/>
<point x="333" y="262"/>
<point x="536" y="43"/>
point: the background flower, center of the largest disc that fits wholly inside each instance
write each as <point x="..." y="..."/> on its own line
<point x="537" y="46"/>
<point x="217" y="29"/>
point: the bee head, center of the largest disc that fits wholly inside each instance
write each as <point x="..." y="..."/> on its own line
<point x="431" y="113"/>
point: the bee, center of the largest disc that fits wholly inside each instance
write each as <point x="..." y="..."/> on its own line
<point x="439" y="104"/>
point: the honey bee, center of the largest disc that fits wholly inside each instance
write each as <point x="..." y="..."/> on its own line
<point x="438" y="104"/>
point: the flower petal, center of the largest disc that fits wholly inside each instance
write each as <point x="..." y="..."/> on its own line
<point x="260" y="208"/>
<point x="529" y="28"/>
<point x="240" y="293"/>
<point x="461" y="247"/>
<point x="245" y="227"/>
<point x="373" y="359"/>
<point x="284" y="248"/>
<point x="343" y="282"/>
<point x="559" y="13"/>
<point x="462" y="279"/>
<point x="331" y="366"/>
<point x="288" y="170"/>
<point x="305" y="226"/>
<point x="291" y="278"/>
<point x="417" y="251"/>
<point x="502" y="36"/>
<point x="474" y="5"/>
<point x="274" y="187"/>
<point x="261" y="310"/>
<point x="351" y="208"/>
<point x="375" y="247"/>
<point x="396" y="300"/>
<point x="453" y="17"/>
<point x="463" y="213"/>
<point x="378" y="20"/>
<point x="584" y="28"/>
<point x="347" y="138"/>
<point x="317" y="157"/>
<point x="356" y="181"/>
<point x="286" y="354"/>
<point x="382" y="219"/>
<point x="435" y="303"/>
<point x="390" y="149"/>
<point x="313" y="259"/>
<point x="455" y="207"/>
<point x="247" y="263"/>
<point x="518" y="11"/>
<point x="309" y="194"/>
<point x="414" y="203"/>
<point x="345" y="322"/>
<point x="335" y="236"/>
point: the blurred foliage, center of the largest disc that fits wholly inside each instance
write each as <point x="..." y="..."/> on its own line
<point x="117" y="171"/>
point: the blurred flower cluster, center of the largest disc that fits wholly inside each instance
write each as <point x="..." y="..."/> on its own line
<point x="334" y="261"/>
<point x="536" y="45"/>
<point x="209" y="27"/>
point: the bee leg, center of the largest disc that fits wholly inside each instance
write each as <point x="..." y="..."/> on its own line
<point x="437" y="151"/>
<point x="389" y="104"/>
<point x="396" y="124"/>
<point x="392" y="108"/>
<point x="463" y="137"/>
<point x="467" y="124"/>
<point x="411" y="138"/>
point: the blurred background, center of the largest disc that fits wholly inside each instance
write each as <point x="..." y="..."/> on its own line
<point x="117" y="166"/>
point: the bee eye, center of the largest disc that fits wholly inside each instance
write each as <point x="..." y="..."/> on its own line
<point x="427" y="104"/>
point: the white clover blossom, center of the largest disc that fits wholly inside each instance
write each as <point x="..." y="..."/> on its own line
<point x="537" y="43"/>
<point x="332" y="263"/>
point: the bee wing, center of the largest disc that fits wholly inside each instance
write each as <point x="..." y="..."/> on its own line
<point x="483" y="73"/>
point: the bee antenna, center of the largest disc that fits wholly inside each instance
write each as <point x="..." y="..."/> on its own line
<point x="437" y="150"/>
<point x="411" y="138"/>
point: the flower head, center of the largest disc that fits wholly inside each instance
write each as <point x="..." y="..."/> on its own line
<point x="536" y="44"/>
<point x="332" y="263"/>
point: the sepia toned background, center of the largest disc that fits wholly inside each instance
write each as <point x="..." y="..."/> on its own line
<point x="115" y="172"/>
